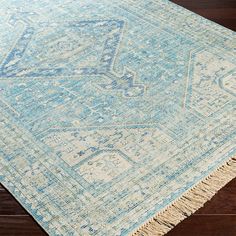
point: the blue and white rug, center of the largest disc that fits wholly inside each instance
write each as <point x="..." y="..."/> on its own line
<point x="116" y="117"/>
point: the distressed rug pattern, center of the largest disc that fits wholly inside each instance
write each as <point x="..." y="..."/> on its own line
<point x="116" y="117"/>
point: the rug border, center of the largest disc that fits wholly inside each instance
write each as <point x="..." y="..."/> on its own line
<point x="189" y="202"/>
<point x="173" y="214"/>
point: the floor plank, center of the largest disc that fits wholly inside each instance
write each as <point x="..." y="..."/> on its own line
<point x="19" y="226"/>
<point x="205" y="225"/>
<point x="9" y="206"/>
<point x="224" y="202"/>
<point x="1" y="188"/>
<point x="206" y="4"/>
<point x="221" y="12"/>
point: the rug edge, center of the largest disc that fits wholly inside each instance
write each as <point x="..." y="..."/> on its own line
<point x="192" y="200"/>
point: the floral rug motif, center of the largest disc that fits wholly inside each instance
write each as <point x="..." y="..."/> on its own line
<point x="116" y="117"/>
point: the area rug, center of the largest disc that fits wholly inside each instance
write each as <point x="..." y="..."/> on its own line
<point x="116" y="117"/>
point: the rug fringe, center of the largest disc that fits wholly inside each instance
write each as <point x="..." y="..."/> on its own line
<point x="189" y="202"/>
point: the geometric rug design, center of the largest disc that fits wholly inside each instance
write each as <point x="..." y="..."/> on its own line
<point x="116" y="117"/>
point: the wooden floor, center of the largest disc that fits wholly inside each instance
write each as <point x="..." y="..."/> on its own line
<point x="216" y="218"/>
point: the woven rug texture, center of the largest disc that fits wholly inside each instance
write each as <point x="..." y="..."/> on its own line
<point x="116" y="117"/>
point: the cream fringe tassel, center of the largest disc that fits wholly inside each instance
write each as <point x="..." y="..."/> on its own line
<point x="189" y="202"/>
